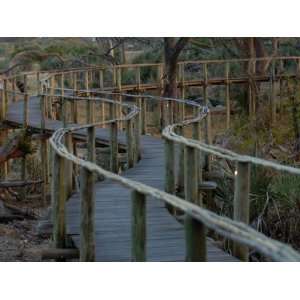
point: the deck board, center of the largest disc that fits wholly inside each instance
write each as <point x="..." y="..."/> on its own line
<point x="165" y="235"/>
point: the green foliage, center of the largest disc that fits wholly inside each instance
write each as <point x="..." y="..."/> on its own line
<point x="286" y="188"/>
<point x="150" y="56"/>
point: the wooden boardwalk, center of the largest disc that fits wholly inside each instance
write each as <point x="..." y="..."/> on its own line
<point x="165" y="235"/>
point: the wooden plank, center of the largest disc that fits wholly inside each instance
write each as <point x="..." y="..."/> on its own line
<point x="165" y="235"/>
<point x="195" y="231"/>
<point x="241" y="204"/>
<point x="138" y="226"/>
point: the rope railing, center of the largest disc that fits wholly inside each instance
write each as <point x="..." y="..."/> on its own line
<point x="197" y="218"/>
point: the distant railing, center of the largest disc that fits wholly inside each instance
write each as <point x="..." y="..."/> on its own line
<point x="64" y="88"/>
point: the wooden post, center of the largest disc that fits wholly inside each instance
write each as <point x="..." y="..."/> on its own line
<point x="227" y="83"/>
<point x="170" y="104"/>
<point x="101" y="86"/>
<point x="160" y="85"/>
<point x="2" y="108"/>
<point x="208" y="135"/>
<point x="58" y="201"/>
<point x="280" y="85"/>
<point x="241" y="204"/>
<point x="182" y="93"/>
<point x="139" y="101"/>
<point x="4" y="166"/>
<point x="74" y="102"/>
<point x="87" y="192"/>
<point x="196" y="127"/>
<point x="25" y="111"/>
<point x="180" y="176"/>
<point x="114" y="74"/>
<point x="25" y="124"/>
<point x="169" y="166"/>
<point x="143" y="115"/>
<point x="13" y="83"/>
<point x="69" y="146"/>
<point x="51" y="98"/>
<point x="137" y="131"/>
<point x="273" y="92"/>
<point x="251" y="90"/>
<point x="119" y="87"/>
<point x="38" y="85"/>
<point x="129" y="141"/>
<point x="86" y="81"/>
<point x="138" y="231"/>
<point x="114" y="165"/>
<point x="44" y="150"/>
<point x="195" y="232"/>
<point x="62" y="84"/>
<point x="5" y="94"/>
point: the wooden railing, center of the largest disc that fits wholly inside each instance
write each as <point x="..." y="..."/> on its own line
<point x="68" y="88"/>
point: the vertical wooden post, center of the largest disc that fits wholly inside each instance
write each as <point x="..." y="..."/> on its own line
<point x="87" y="192"/>
<point x="139" y="101"/>
<point x="195" y="232"/>
<point x="4" y="98"/>
<point x="196" y="127"/>
<point x="62" y="84"/>
<point x="2" y="108"/>
<point x="171" y="105"/>
<point x="208" y="135"/>
<point x="241" y="204"/>
<point x="25" y="124"/>
<point x="101" y="86"/>
<point x="51" y="98"/>
<point x="114" y="74"/>
<point x="143" y="115"/>
<point x="160" y="85"/>
<point x="114" y="165"/>
<point x="138" y="231"/>
<point x="69" y="146"/>
<point x="119" y="87"/>
<point x="74" y="102"/>
<point x="227" y="83"/>
<point x="129" y="141"/>
<point x="44" y="150"/>
<point x="169" y="166"/>
<point x="5" y="94"/>
<point x="280" y="85"/>
<point x="137" y="131"/>
<point x="180" y="176"/>
<point x="182" y="92"/>
<point x="250" y="97"/>
<point x="58" y="201"/>
<point x="13" y="83"/>
<point x="273" y="92"/>
<point x="25" y="111"/>
<point x="38" y="85"/>
<point x="4" y="166"/>
<point x="251" y="90"/>
<point x="86" y="81"/>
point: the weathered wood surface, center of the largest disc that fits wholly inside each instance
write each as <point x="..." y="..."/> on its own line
<point x="14" y="118"/>
<point x="113" y="207"/>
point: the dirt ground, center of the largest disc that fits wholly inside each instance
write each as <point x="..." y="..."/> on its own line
<point x="19" y="238"/>
<point x="19" y="242"/>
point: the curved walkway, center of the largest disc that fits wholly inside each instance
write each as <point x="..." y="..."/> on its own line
<point x="165" y="235"/>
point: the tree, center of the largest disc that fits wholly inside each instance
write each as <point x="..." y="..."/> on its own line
<point x="172" y="49"/>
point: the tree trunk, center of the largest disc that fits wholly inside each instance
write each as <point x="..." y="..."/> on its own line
<point x="172" y="50"/>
